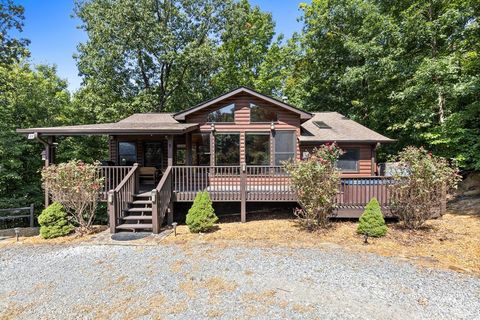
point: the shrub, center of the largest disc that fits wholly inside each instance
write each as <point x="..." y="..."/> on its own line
<point x="316" y="181"/>
<point x="201" y="216"/>
<point x="53" y="222"/>
<point x="421" y="182"/>
<point x="76" y="185"/>
<point x="372" y="223"/>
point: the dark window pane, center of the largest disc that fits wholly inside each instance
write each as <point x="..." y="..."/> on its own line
<point x="127" y="153"/>
<point x="201" y="149"/>
<point x="153" y="155"/>
<point x="181" y="153"/>
<point x="261" y="114"/>
<point x="257" y="149"/>
<point x="224" y="114"/>
<point x="349" y="160"/>
<point x="227" y="149"/>
<point x="285" y="146"/>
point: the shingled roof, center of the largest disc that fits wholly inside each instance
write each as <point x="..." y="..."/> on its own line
<point x="139" y="123"/>
<point x="333" y="126"/>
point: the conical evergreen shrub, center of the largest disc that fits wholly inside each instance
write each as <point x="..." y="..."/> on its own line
<point x="201" y="216"/>
<point x="372" y="223"/>
<point x="53" y="222"/>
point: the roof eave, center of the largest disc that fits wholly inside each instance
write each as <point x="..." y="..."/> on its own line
<point x="80" y="132"/>
<point x="370" y="141"/>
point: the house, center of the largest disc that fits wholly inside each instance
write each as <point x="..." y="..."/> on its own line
<point x="232" y="146"/>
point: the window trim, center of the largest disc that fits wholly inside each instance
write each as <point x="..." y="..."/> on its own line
<point x="358" y="161"/>
<point x="223" y="122"/>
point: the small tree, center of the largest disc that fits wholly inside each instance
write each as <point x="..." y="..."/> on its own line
<point x="201" y="216"/>
<point x="421" y="182"/>
<point x="316" y="181"/>
<point x="372" y="223"/>
<point x="53" y="222"/>
<point x="76" y="185"/>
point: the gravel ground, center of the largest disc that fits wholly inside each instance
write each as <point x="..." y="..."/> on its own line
<point x="200" y="281"/>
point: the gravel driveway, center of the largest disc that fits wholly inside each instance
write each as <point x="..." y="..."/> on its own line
<point x="199" y="281"/>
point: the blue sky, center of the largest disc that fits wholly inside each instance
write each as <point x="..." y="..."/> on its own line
<point x="54" y="34"/>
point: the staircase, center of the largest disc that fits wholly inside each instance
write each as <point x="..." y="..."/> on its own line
<point x="138" y="217"/>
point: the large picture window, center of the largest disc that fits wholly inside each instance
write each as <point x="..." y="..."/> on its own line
<point x="227" y="149"/>
<point x="285" y="146"/>
<point x="261" y="114"/>
<point x="349" y="160"/>
<point x="257" y="150"/>
<point x="201" y="149"/>
<point x="127" y="153"/>
<point x="224" y="114"/>
<point x="153" y="154"/>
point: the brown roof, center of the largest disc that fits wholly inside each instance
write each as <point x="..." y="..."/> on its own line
<point x="338" y="128"/>
<point x="139" y="123"/>
<point x="304" y="115"/>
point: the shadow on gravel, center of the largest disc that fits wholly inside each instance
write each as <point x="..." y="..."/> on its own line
<point x="129" y="236"/>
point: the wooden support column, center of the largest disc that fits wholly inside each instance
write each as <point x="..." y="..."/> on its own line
<point x="49" y="158"/>
<point x="170" y="213"/>
<point x="243" y="193"/>
<point x="112" y="208"/>
<point x="188" y="147"/>
<point x="170" y="150"/>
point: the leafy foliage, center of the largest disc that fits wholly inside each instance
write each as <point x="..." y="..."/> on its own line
<point x="201" y="216"/>
<point x="76" y="186"/>
<point x="372" y="223"/>
<point x="316" y="182"/>
<point x="421" y="181"/>
<point x="12" y="49"/>
<point x="53" y="222"/>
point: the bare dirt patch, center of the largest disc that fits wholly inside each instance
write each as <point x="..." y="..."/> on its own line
<point x="450" y="242"/>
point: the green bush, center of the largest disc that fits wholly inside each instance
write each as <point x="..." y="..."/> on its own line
<point x="372" y="223"/>
<point x="201" y="216"/>
<point x="53" y="222"/>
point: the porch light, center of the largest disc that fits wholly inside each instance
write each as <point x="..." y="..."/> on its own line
<point x="272" y="126"/>
<point x="44" y="155"/>
<point x="212" y="126"/>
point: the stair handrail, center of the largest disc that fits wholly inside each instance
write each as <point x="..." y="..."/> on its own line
<point x="161" y="198"/>
<point x="119" y="197"/>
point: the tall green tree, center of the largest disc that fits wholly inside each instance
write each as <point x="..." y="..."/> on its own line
<point x="148" y="55"/>
<point x="12" y="48"/>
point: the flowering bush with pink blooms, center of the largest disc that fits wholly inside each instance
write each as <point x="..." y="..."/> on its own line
<point x="76" y="185"/>
<point x="421" y="183"/>
<point x="316" y="181"/>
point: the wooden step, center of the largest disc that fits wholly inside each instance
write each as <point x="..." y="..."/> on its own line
<point x="143" y="195"/>
<point x="140" y="210"/>
<point x="137" y="218"/>
<point x="135" y="226"/>
<point x="142" y="202"/>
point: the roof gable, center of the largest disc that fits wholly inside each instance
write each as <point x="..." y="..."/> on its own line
<point x="182" y="114"/>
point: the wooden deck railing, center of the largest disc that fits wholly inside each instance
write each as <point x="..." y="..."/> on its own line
<point x="113" y="176"/>
<point x="119" y="197"/>
<point x="161" y="200"/>
<point x="356" y="192"/>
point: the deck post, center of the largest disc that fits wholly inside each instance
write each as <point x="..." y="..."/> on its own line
<point x="170" y="150"/>
<point x="31" y="216"/>
<point x="188" y="147"/>
<point x="155" y="224"/>
<point x="243" y="196"/>
<point x="112" y="203"/>
<point x="170" y="213"/>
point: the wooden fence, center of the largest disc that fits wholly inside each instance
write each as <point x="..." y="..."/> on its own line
<point x="30" y="216"/>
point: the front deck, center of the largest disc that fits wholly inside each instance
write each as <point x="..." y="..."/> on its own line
<point x="134" y="205"/>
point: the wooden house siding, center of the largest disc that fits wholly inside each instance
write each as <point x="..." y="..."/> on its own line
<point x="286" y="120"/>
<point x="366" y="163"/>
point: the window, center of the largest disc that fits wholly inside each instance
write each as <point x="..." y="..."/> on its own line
<point x="201" y="149"/>
<point x="321" y="125"/>
<point x="227" y="149"/>
<point x="349" y="160"/>
<point x="285" y="146"/>
<point x="181" y="155"/>
<point x="257" y="148"/>
<point x="127" y="153"/>
<point x="261" y="114"/>
<point x="224" y="114"/>
<point x="153" y="154"/>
